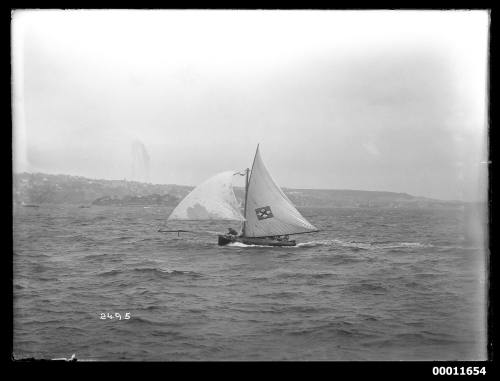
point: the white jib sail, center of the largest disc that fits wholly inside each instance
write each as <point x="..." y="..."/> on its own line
<point x="269" y="212"/>
<point x="212" y="200"/>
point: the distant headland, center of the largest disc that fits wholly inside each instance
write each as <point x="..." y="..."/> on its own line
<point x="41" y="188"/>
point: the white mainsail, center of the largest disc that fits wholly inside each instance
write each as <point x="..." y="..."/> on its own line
<point x="269" y="212"/>
<point x="212" y="200"/>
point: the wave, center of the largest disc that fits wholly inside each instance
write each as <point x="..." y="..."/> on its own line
<point x="404" y="245"/>
<point x="336" y="242"/>
<point x="140" y="320"/>
<point x="353" y="245"/>
<point x="364" y="245"/>
<point x="425" y="275"/>
<point x="239" y="244"/>
<point x="151" y="271"/>
<point x="366" y="287"/>
<point x="459" y="247"/>
<point x="99" y="218"/>
<point x="110" y="272"/>
<point x="277" y="294"/>
<point x="47" y="279"/>
<point x="94" y="256"/>
<point x="325" y="242"/>
<point x="150" y="308"/>
<point x="305" y="309"/>
<point x="295" y="275"/>
<point x="421" y="337"/>
<point x="331" y="329"/>
<point x="124" y="237"/>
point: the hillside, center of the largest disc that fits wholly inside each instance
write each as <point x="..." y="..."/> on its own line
<point x="39" y="188"/>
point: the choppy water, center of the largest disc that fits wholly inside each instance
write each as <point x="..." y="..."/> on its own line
<point x="384" y="284"/>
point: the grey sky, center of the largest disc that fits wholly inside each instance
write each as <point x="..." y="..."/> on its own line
<point x="367" y="100"/>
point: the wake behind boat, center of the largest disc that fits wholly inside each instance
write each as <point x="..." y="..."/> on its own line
<point x="265" y="241"/>
<point x="268" y="217"/>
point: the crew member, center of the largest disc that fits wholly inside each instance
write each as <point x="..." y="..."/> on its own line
<point x="232" y="231"/>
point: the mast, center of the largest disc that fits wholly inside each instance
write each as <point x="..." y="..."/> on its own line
<point x="247" y="181"/>
<point x="245" y="207"/>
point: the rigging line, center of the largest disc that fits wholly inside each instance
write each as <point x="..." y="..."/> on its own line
<point x="176" y="231"/>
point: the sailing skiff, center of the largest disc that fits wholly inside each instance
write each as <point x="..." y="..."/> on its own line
<point x="268" y="217"/>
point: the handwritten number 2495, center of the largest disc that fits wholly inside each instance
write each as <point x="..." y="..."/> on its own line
<point x="117" y="315"/>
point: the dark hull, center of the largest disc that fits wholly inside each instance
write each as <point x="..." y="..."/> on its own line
<point x="226" y="239"/>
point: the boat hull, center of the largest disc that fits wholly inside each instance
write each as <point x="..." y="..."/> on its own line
<point x="264" y="241"/>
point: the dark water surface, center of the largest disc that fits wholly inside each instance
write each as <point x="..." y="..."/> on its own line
<point x="384" y="284"/>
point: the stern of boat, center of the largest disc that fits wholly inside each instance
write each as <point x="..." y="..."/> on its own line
<point x="224" y="240"/>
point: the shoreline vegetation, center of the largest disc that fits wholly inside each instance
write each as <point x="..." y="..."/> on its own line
<point x="41" y="188"/>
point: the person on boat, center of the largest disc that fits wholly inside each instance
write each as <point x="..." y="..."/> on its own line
<point x="232" y="231"/>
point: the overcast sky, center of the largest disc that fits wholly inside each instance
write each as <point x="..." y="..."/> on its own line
<point x="371" y="100"/>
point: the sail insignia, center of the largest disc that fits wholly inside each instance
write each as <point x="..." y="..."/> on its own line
<point x="263" y="213"/>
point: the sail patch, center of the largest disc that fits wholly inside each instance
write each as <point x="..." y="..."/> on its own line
<point x="264" y="213"/>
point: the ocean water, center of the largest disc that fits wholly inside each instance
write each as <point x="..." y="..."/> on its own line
<point x="377" y="284"/>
